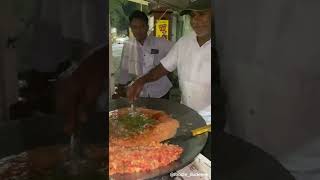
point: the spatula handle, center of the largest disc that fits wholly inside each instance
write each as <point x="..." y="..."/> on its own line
<point x="201" y="130"/>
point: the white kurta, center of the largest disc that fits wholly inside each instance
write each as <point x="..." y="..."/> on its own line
<point x="194" y="71"/>
<point x="270" y="69"/>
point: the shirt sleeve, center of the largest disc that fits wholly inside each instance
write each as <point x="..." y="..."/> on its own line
<point x="170" y="61"/>
<point x="124" y="74"/>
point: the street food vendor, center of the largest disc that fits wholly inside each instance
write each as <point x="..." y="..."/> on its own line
<point x="140" y="54"/>
<point x="191" y="56"/>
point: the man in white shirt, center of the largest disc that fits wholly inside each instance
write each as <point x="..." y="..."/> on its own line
<point x="140" y="55"/>
<point x="191" y="56"/>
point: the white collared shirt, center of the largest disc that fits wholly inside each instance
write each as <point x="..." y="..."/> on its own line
<point x="194" y="70"/>
<point x="144" y="59"/>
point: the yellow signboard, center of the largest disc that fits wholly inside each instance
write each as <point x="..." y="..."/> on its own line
<point x="162" y="28"/>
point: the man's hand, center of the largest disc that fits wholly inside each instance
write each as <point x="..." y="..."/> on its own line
<point x="156" y="73"/>
<point x="134" y="90"/>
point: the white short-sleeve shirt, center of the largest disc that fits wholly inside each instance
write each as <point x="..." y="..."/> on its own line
<point x="148" y="56"/>
<point x="193" y="64"/>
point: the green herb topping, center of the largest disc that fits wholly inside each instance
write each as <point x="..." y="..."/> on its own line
<point x="130" y="124"/>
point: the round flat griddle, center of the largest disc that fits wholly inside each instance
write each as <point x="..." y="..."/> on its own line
<point x="188" y="119"/>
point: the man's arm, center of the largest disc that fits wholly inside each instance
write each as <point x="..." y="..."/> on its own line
<point x="167" y="64"/>
<point x="76" y="94"/>
<point x="153" y="75"/>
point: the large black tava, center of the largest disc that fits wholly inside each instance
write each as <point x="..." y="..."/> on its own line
<point x="46" y="131"/>
<point x="188" y="119"/>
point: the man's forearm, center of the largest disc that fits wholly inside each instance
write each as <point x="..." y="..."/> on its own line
<point x="155" y="74"/>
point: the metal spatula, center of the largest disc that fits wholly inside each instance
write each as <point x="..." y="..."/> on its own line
<point x="132" y="110"/>
<point x="189" y="135"/>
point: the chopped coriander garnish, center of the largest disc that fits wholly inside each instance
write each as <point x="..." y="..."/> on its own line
<point x="130" y="124"/>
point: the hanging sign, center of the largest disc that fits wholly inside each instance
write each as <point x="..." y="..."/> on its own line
<point x="162" y="28"/>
